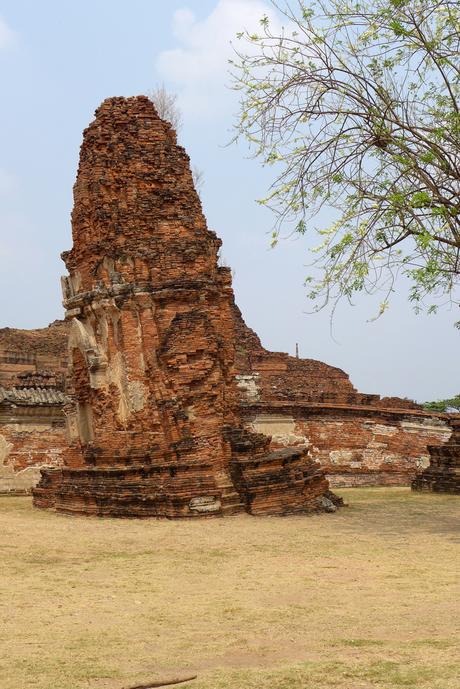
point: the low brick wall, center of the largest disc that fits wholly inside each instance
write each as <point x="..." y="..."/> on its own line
<point x="357" y="446"/>
<point x="30" y="439"/>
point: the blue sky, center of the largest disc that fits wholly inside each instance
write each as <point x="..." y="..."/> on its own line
<point x="57" y="62"/>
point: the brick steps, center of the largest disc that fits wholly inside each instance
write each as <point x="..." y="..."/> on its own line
<point x="144" y="491"/>
<point x="281" y="482"/>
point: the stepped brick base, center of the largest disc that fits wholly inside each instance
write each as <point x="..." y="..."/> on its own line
<point x="272" y="483"/>
<point x="281" y="482"/>
<point x="144" y="491"/>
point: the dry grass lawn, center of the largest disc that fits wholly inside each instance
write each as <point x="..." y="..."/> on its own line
<point x="363" y="599"/>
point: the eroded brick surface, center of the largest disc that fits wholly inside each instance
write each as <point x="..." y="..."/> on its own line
<point x="32" y="424"/>
<point x="443" y="472"/>
<point x="155" y="428"/>
<point x="32" y="428"/>
<point x="357" y="446"/>
<point x="164" y="369"/>
<point x="33" y="352"/>
<point x="359" y="439"/>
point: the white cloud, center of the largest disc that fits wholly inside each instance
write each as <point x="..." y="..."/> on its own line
<point x="7" y="35"/>
<point x="198" y="67"/>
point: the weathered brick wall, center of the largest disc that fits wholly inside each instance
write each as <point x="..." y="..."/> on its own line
<point x="30" y="439"/>
<point x="156" y="428"/>
<point x="32" y="351"/>
<point x="355" y="445"/>
<point x="32" y="424"/>
<point x="359" y="439"/>
<point x="442" y="475"/>
<point x="162" y="363"/>
<point x="362" y="440"/>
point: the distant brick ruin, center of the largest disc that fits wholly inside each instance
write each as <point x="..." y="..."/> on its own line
<point x="32" y="422"/>
<point x="359" y="439"/>
<point x="443" y="473"/>
<point x="172" y="405"/>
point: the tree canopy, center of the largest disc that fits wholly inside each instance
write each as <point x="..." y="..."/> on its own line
<point x="168" y="109"/>
<point x="357" y="106"/>
<point x="166" y="106"/>
<point x="443" y="405"/>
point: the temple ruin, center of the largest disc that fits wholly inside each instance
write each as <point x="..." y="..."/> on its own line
<point x="359" y="439"/>
<point x="155" y="429"/>
<point x="172" y="407"/>
<point x="32" y="421"/>
<point x="443" y="473"/>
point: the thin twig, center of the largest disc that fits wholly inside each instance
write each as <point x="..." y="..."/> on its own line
<point x="163" y="683"/>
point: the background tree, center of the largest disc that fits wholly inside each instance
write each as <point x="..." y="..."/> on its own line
<point x="443" y="405"/>
<point x="358" y="106"/>
<point x="198" y="178"/>
<point x="167" y="108"/>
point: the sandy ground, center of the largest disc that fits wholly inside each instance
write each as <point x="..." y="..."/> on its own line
<point x="362" y="599"/>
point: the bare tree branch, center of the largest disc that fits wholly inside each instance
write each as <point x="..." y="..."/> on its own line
<point x="357" y="106"/>
<point x="166" y="106"/>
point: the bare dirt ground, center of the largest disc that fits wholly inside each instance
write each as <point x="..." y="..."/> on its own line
<point x="363" y="599"/>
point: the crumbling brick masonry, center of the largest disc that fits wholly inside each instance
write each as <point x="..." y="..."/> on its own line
<point x="171" y="399"/>
<point x="156" y="429"/>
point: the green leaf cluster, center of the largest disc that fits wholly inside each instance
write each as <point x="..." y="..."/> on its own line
<point x="357" y="108"/>
<point x="442" y="405"/>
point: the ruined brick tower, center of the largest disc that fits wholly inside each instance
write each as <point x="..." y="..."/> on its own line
<point x="154" y="425"/>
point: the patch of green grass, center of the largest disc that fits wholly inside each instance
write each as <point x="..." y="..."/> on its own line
<point x="360" y="643"/>
<point x="439" y="643"/>
<point x="313" y="675"/>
